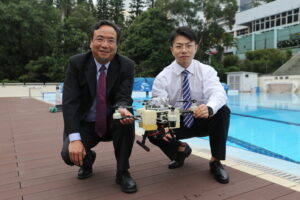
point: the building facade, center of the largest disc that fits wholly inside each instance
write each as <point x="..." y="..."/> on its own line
<point x="272" y="25"/>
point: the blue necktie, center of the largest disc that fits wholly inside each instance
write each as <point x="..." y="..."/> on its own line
<point x="101" y="121"/>
<point x="186" y="95"/>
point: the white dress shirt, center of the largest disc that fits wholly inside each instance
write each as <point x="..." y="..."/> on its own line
<point x="204" y="85"/>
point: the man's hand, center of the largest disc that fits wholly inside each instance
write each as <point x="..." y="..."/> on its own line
<point x="125" y="113"/>
<point x="201" y="111"/>
<point x="77" y="152"/>
<point x="167" y="136"/>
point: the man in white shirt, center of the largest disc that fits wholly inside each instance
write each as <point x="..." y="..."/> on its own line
<point x="186" y="79"/>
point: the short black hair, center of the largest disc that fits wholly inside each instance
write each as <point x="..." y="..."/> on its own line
<point x="107" y="23"/>
<point x="183" y="31"/>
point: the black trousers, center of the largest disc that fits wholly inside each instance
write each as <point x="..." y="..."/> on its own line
<point x="215" y="127"/>
<point x="121" y="135"/>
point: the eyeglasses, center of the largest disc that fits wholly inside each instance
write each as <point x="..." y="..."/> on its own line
<point x="101" y="40"/>
<point x="187" y="46"/>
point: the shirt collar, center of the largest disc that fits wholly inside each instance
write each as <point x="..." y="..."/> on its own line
<point x="178" y="69"/>
<point x="98" y="65"/>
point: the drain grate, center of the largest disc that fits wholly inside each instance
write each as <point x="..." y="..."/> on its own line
<point x="269" y="170"/>
<point x="284" y="175"/>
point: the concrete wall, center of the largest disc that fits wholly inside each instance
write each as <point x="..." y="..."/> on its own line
<point x="278" y="81"/>
<point x="26" y="90"/>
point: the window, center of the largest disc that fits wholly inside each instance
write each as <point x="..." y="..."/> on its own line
<point x="296" y="18"/>
<point x="272" y="23"/>
<point x="290" y="19"/>
<point x="283" y="21"/>
<point x="267" y="24"/>
<point x="276" y="77"/>
<point x="246" y="75"/>
<point x="277" y="22"/>
<point x="286" y="77"/>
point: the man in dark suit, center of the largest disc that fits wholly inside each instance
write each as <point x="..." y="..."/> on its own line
<point x="95" y="83"/>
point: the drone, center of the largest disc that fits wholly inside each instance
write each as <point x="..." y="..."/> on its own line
<point x="155" y="117"/>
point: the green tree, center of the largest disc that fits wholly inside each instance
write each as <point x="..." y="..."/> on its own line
<point x="81" y="2"/>
<point x="147" y="43"/>
<point x="231" y="60"/>
<point x="256" y="3"/>
<point x="72" y="38"/>
<point x="39" y="70"/>
<point x="91" y="7"/>
<point x="65" y="7"/>
<point x="150" y="3"/>
<point x="116" y="11"/>
<point x="136" y="8"/>
<point x="231" y="63"/>
<point x="28" y="31"/>
<point x="210" y="33"/>
<point x="265" y="60"/>
<point x="102" y="11"/>
<point x="49" y="2"/>
<point x="81" y="18"/>
<point x="184" y="12"/>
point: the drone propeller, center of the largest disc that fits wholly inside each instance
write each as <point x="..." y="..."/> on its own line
<point x="144" y="102"/>
<point x="117" y="107"/>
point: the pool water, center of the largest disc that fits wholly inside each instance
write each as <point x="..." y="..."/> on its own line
<point x="268" y="124"/>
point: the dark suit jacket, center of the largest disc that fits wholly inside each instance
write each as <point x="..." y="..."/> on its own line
<point x="80" y="87"/>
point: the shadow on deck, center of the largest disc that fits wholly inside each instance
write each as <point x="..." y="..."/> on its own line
<point x="31" y="167"/>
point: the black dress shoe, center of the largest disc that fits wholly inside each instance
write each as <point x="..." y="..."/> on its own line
<point x="219" y="172"/>
<point x="124" y="179"/>
<point x="87" y="171"/>
<point x="180" y="157"/>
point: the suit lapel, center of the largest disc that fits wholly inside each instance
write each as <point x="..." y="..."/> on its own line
<point x="91" y="73"/>
<point x="112" y="73"/>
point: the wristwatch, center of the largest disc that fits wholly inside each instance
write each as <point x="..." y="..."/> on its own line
<point x="210" y="111"/>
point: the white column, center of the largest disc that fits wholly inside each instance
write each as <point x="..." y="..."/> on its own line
<point x="253" y="41"/>
<point x="275" y="38"/>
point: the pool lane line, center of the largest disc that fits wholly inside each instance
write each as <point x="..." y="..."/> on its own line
<point x="269" y="108"/>
<point x="257" y="149"/>
<point x="267" y="119"/>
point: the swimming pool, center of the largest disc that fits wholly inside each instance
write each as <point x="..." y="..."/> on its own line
<point x="268" y="124"/>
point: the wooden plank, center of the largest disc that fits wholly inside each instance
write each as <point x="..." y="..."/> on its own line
<point x="264" y="193"/>
<point x="36" y="137"/>
<point x="10" y="167"/>
<point x="9" y="187"/>
<point x="291" y="196"/>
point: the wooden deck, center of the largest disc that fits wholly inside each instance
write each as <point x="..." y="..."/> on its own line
<point x="31" y="167"/>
